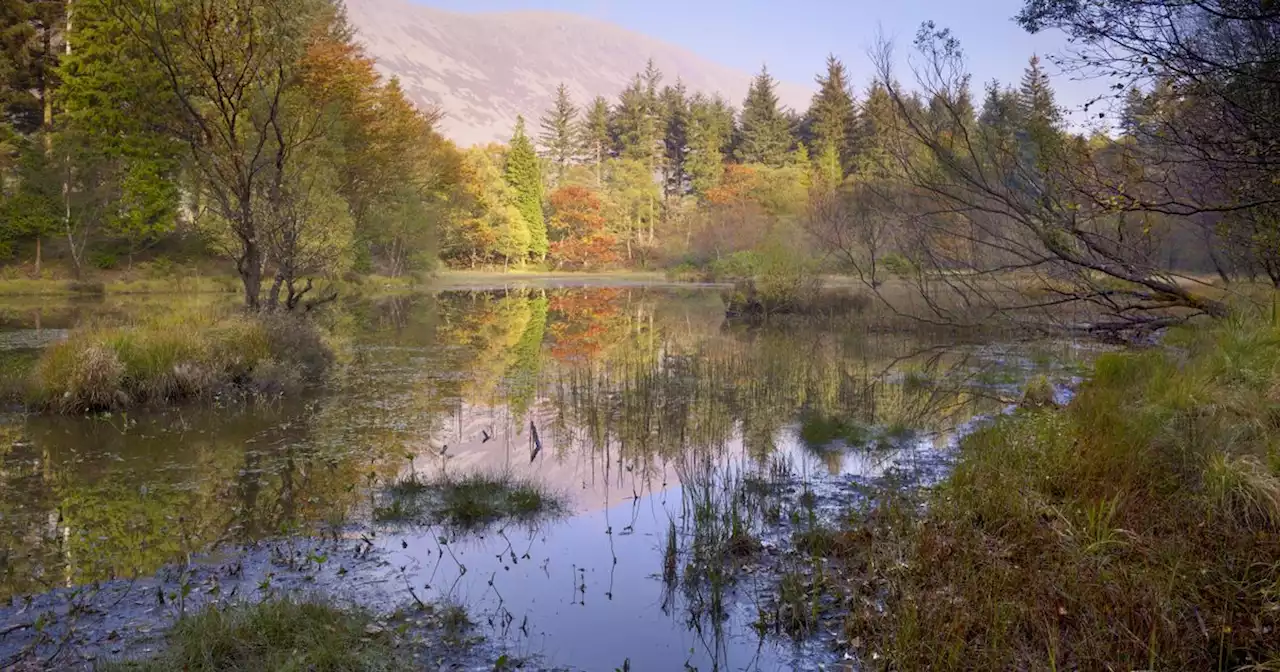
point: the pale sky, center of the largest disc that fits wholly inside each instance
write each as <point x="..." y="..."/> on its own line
<point x="794" y="36"/>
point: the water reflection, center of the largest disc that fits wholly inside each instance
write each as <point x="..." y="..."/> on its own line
<point x="622" y="386"/>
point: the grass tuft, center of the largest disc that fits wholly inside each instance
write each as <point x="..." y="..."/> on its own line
<point x="174" y="358"/>
<point x="467" y="502"/>
<point x="275" y="635"/>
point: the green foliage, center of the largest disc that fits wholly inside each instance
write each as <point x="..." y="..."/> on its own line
<point x="524" y="178"/>
<point x="832" y="120"/>
<point x="276" y="635"/>
<point x="468" y="502"/>
<point x="765" y="135"/>
<point x="558" y="139"/>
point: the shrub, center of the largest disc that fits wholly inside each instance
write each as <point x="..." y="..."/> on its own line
<point x="103" y="259"/>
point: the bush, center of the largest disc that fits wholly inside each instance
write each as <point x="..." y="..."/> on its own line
<point x="103" y="259"/>
<point x="898" y="265"/>
<point x="177" y="358"/>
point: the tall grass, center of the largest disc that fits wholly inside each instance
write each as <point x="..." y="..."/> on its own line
<point x="1137" y="528"/>
<point x="176" y="357"/>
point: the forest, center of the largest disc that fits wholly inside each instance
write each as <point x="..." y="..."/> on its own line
<point x="132" y="130"/>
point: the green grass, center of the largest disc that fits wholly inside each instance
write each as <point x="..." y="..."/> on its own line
<point x="1137" y="528"/>
<point x="467" y="502"/>
<point x="284" y="636"/>
<point x="176" y="357"/>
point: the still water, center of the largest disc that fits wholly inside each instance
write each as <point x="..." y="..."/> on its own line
<point x="633" y="392"/>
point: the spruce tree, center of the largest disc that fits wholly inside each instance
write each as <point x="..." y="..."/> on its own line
<point x="1040" y="114"/>
<point x="675" y="107"/>
<point x="559" y="126"/>
<point x="593" y="136"/>
<point x="765" y="136"/>
<point x="632" y="123"/>
<point x="707" y="140"/>
<point x="832" y="115"/>
<point x="524" y="177"/>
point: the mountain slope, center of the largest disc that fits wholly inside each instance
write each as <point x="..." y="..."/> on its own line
<point x="484" y="69"/>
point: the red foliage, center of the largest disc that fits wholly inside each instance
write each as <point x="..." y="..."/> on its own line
<point x="577" y="226"/>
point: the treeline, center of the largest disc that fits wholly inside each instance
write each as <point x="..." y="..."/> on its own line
<point x="662" y="175"/>
<point x="253" y="130"/>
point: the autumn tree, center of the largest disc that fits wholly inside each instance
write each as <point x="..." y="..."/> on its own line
<point x="578" y="229"/>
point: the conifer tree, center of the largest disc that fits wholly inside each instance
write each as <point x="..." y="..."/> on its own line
<point x="1040" y="113"/>
<point x="524" y="177"/>
<point x="675" y="107"/>
<point x="559" y="126"/>
<point x="594" y="140"/>
<point x="832" y="115"/>
<point x="707" y="139"/>
<point x="765" y="136"/>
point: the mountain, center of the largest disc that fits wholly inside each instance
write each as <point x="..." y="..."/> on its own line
<point x="484" y="69"/>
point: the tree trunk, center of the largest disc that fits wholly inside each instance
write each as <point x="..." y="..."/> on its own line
<point x="38" y="256"/>
<point x="250" y="268"/>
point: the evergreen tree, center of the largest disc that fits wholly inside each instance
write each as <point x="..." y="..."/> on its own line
<point x="632" y="123"/>
<point x="707" y="141"/>
<point x="559" y="125"/>
<point x="832" y="116"/>
<point x="765" y="136"/>
<point x="594" y="138"/>
<point x="675" y="107"/>
<point x="1001" y="110"/>
<point x="524" y="177"/>
<point x="1040" y="114"/>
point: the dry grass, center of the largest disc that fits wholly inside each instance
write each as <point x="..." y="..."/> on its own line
<point x="1137" y="528"/>
<point x="176" y="357"/>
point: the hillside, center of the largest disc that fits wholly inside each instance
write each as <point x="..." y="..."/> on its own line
<point x="484" y="69"/>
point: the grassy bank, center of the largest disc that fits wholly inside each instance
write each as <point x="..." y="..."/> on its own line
<point x="174" y="358"/>
<point x="276" y="635"/>
<point x="1137" y="528"/>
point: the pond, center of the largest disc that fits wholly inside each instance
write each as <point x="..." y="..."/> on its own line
<point x="634" y="406"/>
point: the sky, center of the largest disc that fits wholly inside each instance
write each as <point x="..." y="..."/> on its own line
<point x="794" y="36"/>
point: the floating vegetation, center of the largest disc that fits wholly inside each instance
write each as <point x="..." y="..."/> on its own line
<point x="467" y="502"/>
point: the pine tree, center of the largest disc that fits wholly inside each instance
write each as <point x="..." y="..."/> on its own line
<point x="631" y="124"/>
<point x="707" y="139"/>
<point x="1040" y="114"/>
<point x="524" y="177"/>
<point x="1000" y="108"/>
<point x="765" y="136"/>
<point x="832" y="115"/>
<point x="675" y="107"/>
<point x="559" y="125"/>
<point x="593" y="136"/>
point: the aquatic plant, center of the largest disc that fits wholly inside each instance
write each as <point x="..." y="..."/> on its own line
<point x="467" y="502"/>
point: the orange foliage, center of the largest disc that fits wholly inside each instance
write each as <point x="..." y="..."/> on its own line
<point x="577" y="224"/>
<point x="736" y="186"/>
<point x="583" y="322"/>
